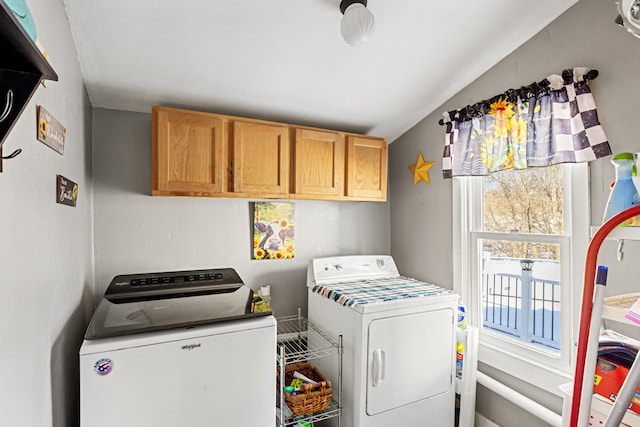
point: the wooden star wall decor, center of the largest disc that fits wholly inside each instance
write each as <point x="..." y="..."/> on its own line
<point x="420" y="170"/>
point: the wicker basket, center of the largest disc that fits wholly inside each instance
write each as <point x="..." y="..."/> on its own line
<point x="313" y="397"/>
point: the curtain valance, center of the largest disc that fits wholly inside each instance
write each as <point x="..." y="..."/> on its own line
<point x="549" y="122"/>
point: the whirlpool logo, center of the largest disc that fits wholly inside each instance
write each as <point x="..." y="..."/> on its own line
<point x="191" y="346"/>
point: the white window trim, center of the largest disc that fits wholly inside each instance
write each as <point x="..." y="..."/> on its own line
<point x="540" y="368"/>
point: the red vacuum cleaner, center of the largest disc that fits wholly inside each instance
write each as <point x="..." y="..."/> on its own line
<point x="587" y="311"/>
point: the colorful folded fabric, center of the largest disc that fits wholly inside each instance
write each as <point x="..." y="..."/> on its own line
<point x="634" y="312"/>
<point x="371" y="291"/>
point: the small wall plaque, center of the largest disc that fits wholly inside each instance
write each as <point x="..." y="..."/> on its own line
<point x="66" y="191"/>
<point x="50" y="131"/>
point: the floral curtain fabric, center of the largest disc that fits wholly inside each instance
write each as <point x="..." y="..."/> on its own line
<point x="550" y="122"/>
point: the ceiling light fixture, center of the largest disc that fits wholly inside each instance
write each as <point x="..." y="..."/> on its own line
<point x="629" y="16"/>
<point x="357" y="21"/>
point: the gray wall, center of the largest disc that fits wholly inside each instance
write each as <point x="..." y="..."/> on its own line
<point x="135" y="232"/>
<point x="46" y="248"/>
<point x="421" y="216"/>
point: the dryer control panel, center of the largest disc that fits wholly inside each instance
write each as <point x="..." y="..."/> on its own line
<point x="333" y="269"/>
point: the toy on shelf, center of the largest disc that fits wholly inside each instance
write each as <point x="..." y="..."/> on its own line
<point x="23" y="15"/>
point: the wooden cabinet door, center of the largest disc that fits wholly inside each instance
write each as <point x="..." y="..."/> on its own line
<point x="319" y="163"/>
<point x="367" y="167"/>
<point x="188" y="153"/>
<point x="260" y="159"/>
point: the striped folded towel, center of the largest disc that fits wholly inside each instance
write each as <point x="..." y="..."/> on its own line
<point x="634" y="312"/>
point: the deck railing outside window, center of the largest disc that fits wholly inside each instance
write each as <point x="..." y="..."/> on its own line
<point x="522" y="305"/>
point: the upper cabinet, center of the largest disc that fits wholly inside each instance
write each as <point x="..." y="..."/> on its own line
<point x="189" y="156"/>
<point x="260" y="159"/>
<point x="204" y="154"/>
<point x="366" y="167"/>
<point x="22" y="68"/>
<point x="318" y="163"/>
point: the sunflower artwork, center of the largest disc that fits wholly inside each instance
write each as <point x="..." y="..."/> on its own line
<point x="273" y="230"/>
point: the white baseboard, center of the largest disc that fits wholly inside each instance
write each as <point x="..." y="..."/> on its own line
<point x="484" y="422"/>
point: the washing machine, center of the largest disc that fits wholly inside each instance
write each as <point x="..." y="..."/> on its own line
<point x="399" y="341"/>
<point x="192" y="348"/>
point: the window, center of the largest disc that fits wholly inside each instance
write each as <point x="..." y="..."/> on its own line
<point x="518" y="251"/>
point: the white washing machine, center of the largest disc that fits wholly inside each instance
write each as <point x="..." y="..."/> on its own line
<point x="398" y="336"/>
<point x="192" y="348"/>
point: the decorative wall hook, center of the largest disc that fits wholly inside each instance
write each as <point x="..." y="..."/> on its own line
<point x="619" y="252"/>
<point x="7" y="106"/>
<point x="12" y="155"/>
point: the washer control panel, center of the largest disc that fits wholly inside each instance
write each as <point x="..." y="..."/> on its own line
<point x="163" y="285"/>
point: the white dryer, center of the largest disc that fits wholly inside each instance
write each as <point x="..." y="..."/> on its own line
<point x="192" y="348"/>
<point x="398" y="336"/>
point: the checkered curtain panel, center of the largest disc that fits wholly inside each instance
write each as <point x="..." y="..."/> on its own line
<point x="546" y="123"/>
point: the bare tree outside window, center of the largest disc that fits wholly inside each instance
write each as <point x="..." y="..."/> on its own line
<point x="520" y="278"/>
<point x="526" y="201"/>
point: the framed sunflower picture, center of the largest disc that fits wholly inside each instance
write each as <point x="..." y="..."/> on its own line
<point x="273" y="230"/>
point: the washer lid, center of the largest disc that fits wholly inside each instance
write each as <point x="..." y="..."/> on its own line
<point x="142" y="303"/>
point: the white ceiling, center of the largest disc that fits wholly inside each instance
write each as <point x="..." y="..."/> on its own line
<point x="284" y="60"/>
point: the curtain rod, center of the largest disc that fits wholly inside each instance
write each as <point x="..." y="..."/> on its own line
<point x="533" y="90"/>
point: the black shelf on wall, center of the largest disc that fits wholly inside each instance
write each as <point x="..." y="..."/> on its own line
<point x="22" y="68"/>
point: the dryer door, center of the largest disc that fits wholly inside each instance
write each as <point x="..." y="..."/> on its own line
<point x="410" y="358"/>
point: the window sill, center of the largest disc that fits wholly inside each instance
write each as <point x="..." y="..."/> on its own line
<point x="530" y="371"/>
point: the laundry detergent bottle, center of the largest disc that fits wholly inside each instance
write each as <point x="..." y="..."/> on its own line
<point x="624" y="194"/>
<point x="635" y="221"/>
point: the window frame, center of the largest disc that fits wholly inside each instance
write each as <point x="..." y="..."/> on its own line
<point x="541" y="368"/>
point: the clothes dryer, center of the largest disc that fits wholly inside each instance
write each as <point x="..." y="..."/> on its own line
<point x="398" y="336"/>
